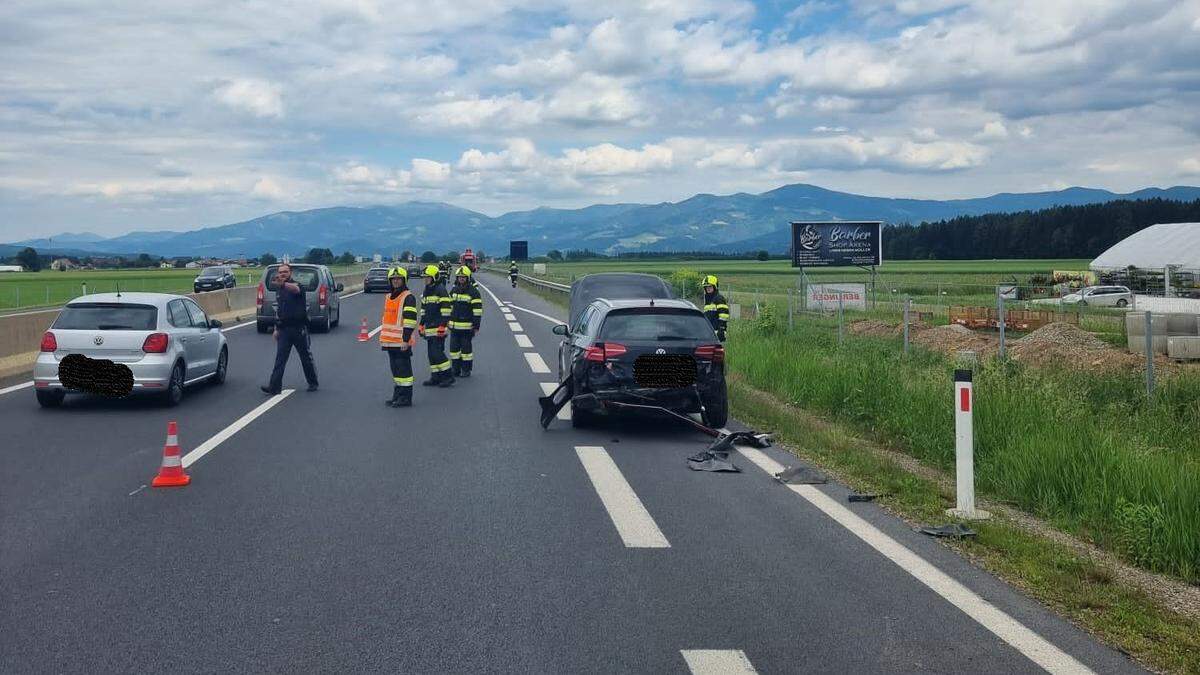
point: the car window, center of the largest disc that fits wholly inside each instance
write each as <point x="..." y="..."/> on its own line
<point x="199" y="320"/>
<point x="655" y="325"/>
<point x="584" y="319"/>
<point x="307" y="277"/>
<point x="212" y="271"/>
<point x="107" y="316"/>
<point x="177" y="315"/>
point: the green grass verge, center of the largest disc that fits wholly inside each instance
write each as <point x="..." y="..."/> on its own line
<point x="1078" y="588"/>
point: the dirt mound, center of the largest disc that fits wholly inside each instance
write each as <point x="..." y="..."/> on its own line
<point x="955" y="338"/>
<point x="1066" y="345"/>
<point x="873" y="328"/>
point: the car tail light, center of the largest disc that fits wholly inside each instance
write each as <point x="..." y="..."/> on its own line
<point x="156" y="343"/>
<point x="49" y="342"/>
<point x="258" y="300"/>
<point x="714" y="353"/>
<point x="323" y="295"/>
<point x="604" y="351"/>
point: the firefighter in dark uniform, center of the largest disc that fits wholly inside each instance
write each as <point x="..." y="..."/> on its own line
<point x="513" y="271"/>
<point x="397" y="336"/>
<point x="466" y="312"/>
<point x="716" y="309"/>
<point x="443" y="276"/>
<point x="435" y="316"/>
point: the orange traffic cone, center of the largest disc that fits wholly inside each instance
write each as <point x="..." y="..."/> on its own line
<point x="171" y="474"/>
<point x="363" y="335"/>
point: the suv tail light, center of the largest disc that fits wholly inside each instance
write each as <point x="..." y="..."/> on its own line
<point x="604" y="351"/>
<point x="323" y="295"/>
<point x="49" y="342"/>
<point x="258" y="299"/>
<point x="714" y="353"/>
<point x="156" y="343"/>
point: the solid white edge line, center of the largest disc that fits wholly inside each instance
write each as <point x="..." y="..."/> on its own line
<point x="224" y="434"/>
<point x="547" y="389"/>
<point x="16" y="387"/>
<point x="515" y="327"/>
<point x="539" y="314"/>
<point x="717" y="661"/>
<point x="1033" y="646"/>
<point x="523" y="342"/>
<point x="240" y="325"/>
<point x="536" y="363"/>
<point x="633" y="522"/>
<point x="489" y="292"/>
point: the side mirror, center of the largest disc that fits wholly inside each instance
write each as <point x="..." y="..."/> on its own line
<point x="560" y="329"/>
<point x="339" y="288"/>
<point x="213" y="323"/>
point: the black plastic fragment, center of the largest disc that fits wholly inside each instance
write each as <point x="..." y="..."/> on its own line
<point x="95" y="376"/>
<point x="712" y="461"/>
<point x="952" y="530"/>
<point x="801" y="475"/>
<point x="866" y="497"/>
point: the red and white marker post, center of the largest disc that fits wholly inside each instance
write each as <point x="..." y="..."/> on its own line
<point x="964" y="449"/>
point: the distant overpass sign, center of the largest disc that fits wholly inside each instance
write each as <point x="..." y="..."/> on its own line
<point x="837" y="243"/>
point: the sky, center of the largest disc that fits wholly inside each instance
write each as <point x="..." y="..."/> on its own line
<point x="119" y="116"/>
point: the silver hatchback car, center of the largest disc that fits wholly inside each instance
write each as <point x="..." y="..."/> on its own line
<point x="166" y="341"/>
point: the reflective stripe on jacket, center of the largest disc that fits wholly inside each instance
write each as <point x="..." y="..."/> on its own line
<point x="717" y="310"/>
<point x="466" y="307"/>
<point x="399" y="320"/>
<point x="435" y="307"/>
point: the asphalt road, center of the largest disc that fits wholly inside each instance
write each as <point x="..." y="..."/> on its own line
<point x="333" y="534"/>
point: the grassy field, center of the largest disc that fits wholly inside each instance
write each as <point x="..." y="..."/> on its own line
<point x="20" y="290"/>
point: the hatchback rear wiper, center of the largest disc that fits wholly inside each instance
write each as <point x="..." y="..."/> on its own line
<point x="673" y="337"/>
<point x="113" y="326"/>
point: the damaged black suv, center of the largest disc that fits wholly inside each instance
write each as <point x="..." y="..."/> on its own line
<point x="622" y="354"/>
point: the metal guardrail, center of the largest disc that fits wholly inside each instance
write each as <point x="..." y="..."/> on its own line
<point x="565" y="288"/>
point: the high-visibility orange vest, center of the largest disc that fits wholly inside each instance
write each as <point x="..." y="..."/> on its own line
<point x="392" y="331"/>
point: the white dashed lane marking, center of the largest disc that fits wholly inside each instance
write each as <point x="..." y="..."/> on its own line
<point x="515" y="327"/>
<point x="633" y="522"/>
<point x="536" y="364"/>
<point x="523" y="341"/>
<point x="717" y="661"/>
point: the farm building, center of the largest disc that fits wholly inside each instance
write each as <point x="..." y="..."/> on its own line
<point x="1156" y="247"/>
<point x="11" y="268"/>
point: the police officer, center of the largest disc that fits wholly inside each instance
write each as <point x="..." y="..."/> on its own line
<point x="397" y="336"/>
<point x="291" y="330"/>
<point x="716" y="309"/>
<point x="466" y="312"/>
<point x="435" y="316"/>
<point x="513" y="271"/>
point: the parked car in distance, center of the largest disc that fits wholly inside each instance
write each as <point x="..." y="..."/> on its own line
<point x="213" y="278"/>
<point x="376" y="279"/>
<point x="1100" y="296"/>
<point x="166" y="340"/>
<point x="322" y="293"/>
<point x="643" y="351"/>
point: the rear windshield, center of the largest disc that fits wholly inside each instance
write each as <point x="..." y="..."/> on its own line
<point x="377" y="272"/>
<point x="212" y="272"/>
<point x="655" y="325"/>
<point x="307" y="277"/>
<point x="107" y="316"/>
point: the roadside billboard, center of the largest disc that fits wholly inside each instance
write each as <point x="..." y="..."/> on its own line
<point x="837" y="244"/>
<point x="518" y="250"/>
<point x="825" y="296"/>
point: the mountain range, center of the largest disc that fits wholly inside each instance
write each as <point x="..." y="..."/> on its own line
<point x="705" y="222"/>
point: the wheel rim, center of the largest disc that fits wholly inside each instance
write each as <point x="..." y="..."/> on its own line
<point x="222" y="364"/>
<point x="177" y="383"/>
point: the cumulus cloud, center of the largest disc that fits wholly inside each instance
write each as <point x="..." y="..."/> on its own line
<point x="257" y="97"/>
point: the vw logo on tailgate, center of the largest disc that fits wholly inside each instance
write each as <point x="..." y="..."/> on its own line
<point x="99" y="340"/>
<point x="660" y="351"/>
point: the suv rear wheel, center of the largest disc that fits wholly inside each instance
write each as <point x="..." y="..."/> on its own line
<point x="1122" y="302"/>
<point x="581" y="419"/>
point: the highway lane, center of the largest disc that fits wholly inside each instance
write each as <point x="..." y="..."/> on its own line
<point x="336" y="534"/>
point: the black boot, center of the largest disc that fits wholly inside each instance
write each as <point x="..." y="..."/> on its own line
<point x="447" y="379"/>
<point x="465" y="369"/>
<point x="434" y="379"/>
<point x="391" y="402"/>
<point x="404" y="398"/>
<point x="455" y="367"/>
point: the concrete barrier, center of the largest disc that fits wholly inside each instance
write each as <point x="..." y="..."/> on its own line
<point x="21" y="333"/>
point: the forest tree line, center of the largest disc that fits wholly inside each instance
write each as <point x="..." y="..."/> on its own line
<point x="1059" y="232"/>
